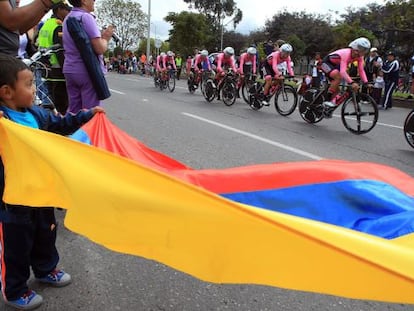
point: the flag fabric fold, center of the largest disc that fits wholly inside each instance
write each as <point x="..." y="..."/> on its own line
<point x="202" y="223"/>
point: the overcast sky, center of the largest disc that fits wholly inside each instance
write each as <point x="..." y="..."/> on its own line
<point x="255" y="12"/>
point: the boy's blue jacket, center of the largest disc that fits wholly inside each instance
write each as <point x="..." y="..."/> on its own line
<point x="47" y="121"/>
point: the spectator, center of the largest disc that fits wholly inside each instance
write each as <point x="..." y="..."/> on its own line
<point x="373" y="63"/>
<point x="391" y="69"/>
<point x="412" y="79"/>
<point x="269" y="47"/>
<point x="49" y="35"/>
<point x="316" y="70"/>
<point x="15" y="20"/>
<point x="179" y="64"/>
<point x="379" y="85"/>
<point x="28" y="234"/>
<point x="81" y="91"/>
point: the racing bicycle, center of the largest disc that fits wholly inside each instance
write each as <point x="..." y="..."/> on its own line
<point x="226" y="87"/>
<point x="286" y="96"/>
<point x="409" y="128"/>
<point x="359" y="112"/>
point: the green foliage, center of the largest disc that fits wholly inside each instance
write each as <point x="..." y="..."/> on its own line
<point x="128" y="18"/>
<point x="189" y="30"/>
<point x="215" y="11"/>
<point x="314" y="31"/>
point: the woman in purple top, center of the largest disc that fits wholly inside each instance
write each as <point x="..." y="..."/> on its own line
<point x="78" y="84"/>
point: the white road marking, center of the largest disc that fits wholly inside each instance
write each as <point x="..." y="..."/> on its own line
<point x="117" y="92"/>
<point x="259" y="138"/>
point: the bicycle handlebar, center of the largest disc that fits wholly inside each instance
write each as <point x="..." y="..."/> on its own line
<point x="43" y="52"/>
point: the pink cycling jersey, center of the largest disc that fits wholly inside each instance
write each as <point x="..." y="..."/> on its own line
<point x="247" y="59"/>
<point x="225" y="61"/>
<point x="344" y="59"/>
<point x="275" y="58"/>
<point x="199" y="59"/>
<point x="158" y="63"/>
<point x="169" y="60"/>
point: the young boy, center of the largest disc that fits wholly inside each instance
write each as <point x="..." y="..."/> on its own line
<point x="28" y="234"/>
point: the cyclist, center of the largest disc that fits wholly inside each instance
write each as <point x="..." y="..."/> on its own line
<point x="335" y="67"/>
<point x="159" y="65"/>
<point x="201" y="62"/>
<point x="248" y="61"/>
<point x="272" y="70"/>
<point x="169" y="61"/>
<point x="225" y="60"/>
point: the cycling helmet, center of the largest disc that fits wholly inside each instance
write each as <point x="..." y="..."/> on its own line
<point x="170" y="53"/>
<point x="251" y="50"/>
<point x="286" y="48"/>
<point x="360" y="44"/>
<point x="229" y="51"/>
<point x="204" y="53"/>
<point x="162" y="54"/>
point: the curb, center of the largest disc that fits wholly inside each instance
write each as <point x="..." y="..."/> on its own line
<point x="403" y="103"/>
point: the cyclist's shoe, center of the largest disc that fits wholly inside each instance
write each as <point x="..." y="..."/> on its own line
<point x="266" y="99"/>
<point x="56" y="278"/>
<point x="328" y="104"/>
<point x="29" y="301"/>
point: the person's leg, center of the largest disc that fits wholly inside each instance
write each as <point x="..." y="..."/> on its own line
<point x="44" y="255"/>
<point x="61" y="97"/>
<point x="74" y="92"/>
<point x="16" y="243"/>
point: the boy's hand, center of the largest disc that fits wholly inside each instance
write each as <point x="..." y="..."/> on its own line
<point x="1" y="114"/>
<point x="97" y="109"/>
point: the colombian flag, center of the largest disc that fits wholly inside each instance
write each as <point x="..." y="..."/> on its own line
<point x="334" y="227"/>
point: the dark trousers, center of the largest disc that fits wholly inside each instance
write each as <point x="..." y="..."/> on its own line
<point x="59" y="95"/>
<point x="178" y="72"/>
<point x="388" y="91"/>
<point x="28" y="237"/>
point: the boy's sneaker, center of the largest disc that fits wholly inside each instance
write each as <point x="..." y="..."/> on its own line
<point x="57" y="278"/>
<point x="28" y="301"/>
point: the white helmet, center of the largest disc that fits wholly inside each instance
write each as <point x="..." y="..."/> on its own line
<point x="162" y="54"/>
<point x="251" y="50"/>
<point x="170" y="53"/>
<point x="204" y="53"/>
<point x="286" y="48"/>
<point x="229" y="51"/>
<point x="360" y="44"/>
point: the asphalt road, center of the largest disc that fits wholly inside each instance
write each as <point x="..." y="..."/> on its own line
<point x="211" y="135"/>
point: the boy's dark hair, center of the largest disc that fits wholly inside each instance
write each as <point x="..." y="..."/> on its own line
<point x="9" y="68"/>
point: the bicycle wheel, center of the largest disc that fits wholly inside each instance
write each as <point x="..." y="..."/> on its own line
<point x="190" y="84"/>
<point x="209" y="91"/>
<point x="245" y="90"/>
<point x="409" y="129"/>
<point x="310" y="107"/>
<point x="171" y="83"/>
<point x="286" y="100"/>
<point x="229" y="92"/>
<point x="361" y="116"/>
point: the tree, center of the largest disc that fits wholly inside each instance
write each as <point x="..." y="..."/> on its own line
<point x="312" y="31"/>
<point x="189" y="30"/>
<point x="128" y="18"/>
<point x="215" y="11"/>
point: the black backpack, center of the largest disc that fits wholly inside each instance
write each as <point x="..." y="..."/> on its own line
<point x="90" y="59"/>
